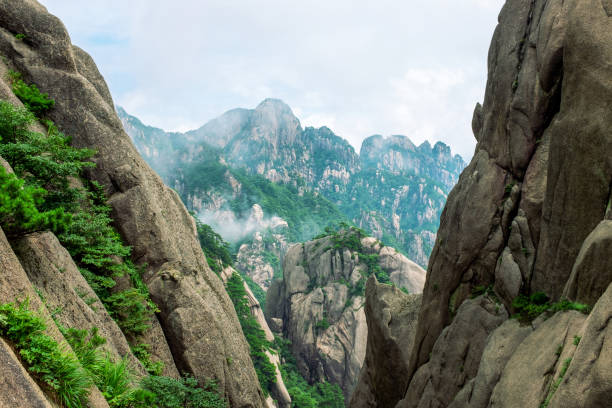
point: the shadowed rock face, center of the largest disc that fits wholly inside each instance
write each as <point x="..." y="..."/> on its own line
<point x="530" y="213"/>
<point x="322" y="308"/>
<point x="392" y="317"/>
<point x="540" y="180"/>
<point x="197" y="317"/>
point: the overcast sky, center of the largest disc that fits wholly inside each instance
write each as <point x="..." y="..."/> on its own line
<point x="411" y="67"/>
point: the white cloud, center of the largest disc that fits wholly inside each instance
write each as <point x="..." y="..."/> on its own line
<point x="359" y="67"/>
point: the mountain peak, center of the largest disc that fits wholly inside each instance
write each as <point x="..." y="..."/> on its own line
<point x="274" y="104"/>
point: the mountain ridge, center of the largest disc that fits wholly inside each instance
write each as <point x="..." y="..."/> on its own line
<point x="269" y="141"/>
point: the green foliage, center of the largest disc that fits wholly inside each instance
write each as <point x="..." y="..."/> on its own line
<point x="20" y="208"/>
<point x="266" y="372"/>
<point x="51" y="365"/>
<point x="258" y="292"/>
<point x="322" y="324"/>
<point x="183" y="393"/>
<point x="49" y="162"/>
<point x="45" y="161"/>
<point x="131" y="310"/>
<point x="577" y="340"/>
<point x="113" y="379"/>
<point x="118" y="384"/>
<point x="20" y="36"/>
<point x="565" y="304"/>
<point x="31" y="97"/>
<point x="528" y="308"/>
<point x="98" y="250"/>
<point x="142" y="352"/>
<point x="304" y="395"/>
<point x="214" y="247"/>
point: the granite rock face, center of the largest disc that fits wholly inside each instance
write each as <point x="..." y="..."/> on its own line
<point x="529" y="214"/>
<point x="320" y="302"/>
<point x="197" y="318"/>
<point x="18" y="388"/>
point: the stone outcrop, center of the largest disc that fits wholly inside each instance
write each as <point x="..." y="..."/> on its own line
<point x="320" y="302"/>
<point x="197" y="317"/>
<point x="391" y="316"/>
<point x="529" y="214"/>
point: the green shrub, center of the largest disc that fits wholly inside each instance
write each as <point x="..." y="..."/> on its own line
<point x="322" y="324"/>
<point x="183" y="393"/>
<point x="215" y="248"/>
<point x="131" y="311"/>
<point x="527" y="308"/>
<point x="45" y="161"/>
<point x="142" y="352"/>
<point x="20" y="208"/>
<point x="57" y="369"/>
<point x="31" y="97"/>
<point x="20" y="36"/>
<point x="98" y="249"/>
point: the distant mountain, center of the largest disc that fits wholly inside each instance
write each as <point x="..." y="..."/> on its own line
<point x="393" y="189"/>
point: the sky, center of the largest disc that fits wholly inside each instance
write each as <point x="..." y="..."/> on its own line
<point x="411" y="67"/>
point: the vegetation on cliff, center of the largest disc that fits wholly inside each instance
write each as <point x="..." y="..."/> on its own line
<point x="47" y="192"/>
<point x="304" y="395"/>
<point x="306" y="213"/>
<point x="349" y="237"/>
<point x="48" y="167"/>
<point x="70" y="374"/>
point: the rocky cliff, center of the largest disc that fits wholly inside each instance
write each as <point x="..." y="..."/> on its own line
<point x="525" y="230"/>
<point x="319" y="303"/>
<point x="196" y="330"/>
